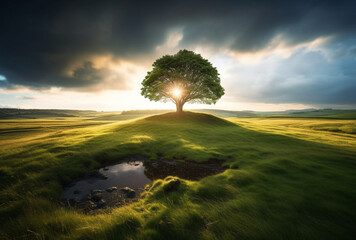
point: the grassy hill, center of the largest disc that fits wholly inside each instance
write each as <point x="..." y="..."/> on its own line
<point x="297" y="181"/>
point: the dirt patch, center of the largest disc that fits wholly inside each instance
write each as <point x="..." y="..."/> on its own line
<point x="189" y="170"/>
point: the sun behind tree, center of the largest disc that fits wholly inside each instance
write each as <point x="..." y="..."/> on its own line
<point x="181" y="78"/>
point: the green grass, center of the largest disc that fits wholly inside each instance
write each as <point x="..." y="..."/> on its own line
<point x="328" y="131"/>
<point x="295" y="178"/>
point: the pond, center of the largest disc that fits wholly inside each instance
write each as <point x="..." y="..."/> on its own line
<point x="123" y="183"/>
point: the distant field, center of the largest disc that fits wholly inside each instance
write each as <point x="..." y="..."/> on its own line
<point x="288" y="178"/>
<point x="334" y="132"/>
<point x="11" y="113"/>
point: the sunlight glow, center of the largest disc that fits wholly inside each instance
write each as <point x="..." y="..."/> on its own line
<point x="177" y="92"/>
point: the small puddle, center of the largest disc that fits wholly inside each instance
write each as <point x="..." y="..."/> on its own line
<point x="123" y="183"/>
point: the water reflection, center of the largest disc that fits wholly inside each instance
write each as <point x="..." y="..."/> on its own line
<point x="125" y="174"/>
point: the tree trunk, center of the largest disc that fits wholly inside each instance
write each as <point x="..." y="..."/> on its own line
<point x="179" y="107"/>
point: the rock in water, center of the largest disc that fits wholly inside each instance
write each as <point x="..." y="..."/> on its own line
<point x="130" y="193"/>
<point x="90" y="205"/>
<point x="173" y="185"/>
<point x="126" y="189"/>
<point x="111" y="189"/>
<point x="96" y="195"/>
<point x="94" y="191"/>
<point x="101" y="203"/>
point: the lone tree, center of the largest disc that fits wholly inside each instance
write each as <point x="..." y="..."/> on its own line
<point x="183" y="77"/>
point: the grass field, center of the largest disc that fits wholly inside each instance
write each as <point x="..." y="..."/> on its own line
<point x="289" y="178"/>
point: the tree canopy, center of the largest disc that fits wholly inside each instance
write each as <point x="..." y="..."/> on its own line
<point x="181" y="78"/>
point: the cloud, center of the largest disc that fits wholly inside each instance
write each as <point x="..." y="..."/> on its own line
<point x="46" y="44"/>
<point x="304" y="77"/>
<point x="87" y="77"/>
<point x="250" y="27"/>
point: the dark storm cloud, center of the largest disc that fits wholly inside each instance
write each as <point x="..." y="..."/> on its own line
<point x="87" y="76"/>
<point x="40" y="40"/>
<point x="250" y="27"/>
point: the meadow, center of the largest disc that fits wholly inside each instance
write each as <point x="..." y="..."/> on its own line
<point x="287" y="177"/>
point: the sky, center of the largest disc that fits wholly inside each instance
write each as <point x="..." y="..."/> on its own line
<point x="271" y="55"/>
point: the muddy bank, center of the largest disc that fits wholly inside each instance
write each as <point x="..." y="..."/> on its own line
<point x="189" y="170"/>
